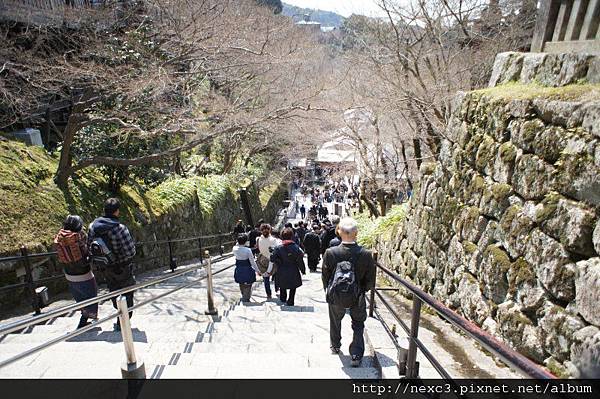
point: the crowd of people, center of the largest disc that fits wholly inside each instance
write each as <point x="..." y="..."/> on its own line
<point x="348" y="271"/>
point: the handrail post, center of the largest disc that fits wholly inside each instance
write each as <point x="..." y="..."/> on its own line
<point x="209" y="278"/>
<point x="200" y="249"/>
<point x="132" y="368"/>
<point x="221" y="243"/>
<point x="412" y="366"/>
<point x="372" y="300"/>
<point x="172" y="261"/>
<point x="35" y="303"/>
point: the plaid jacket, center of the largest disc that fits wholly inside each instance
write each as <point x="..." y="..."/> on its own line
<point x="116" y="236"/>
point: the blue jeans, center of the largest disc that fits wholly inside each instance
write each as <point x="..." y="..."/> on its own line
<point x="267" y="281"/>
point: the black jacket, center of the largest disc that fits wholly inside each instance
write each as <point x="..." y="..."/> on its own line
<point x="312" y="243"/>
<point x="326" y="239"/>
<point x="364" y="269"/>
<point x="289" y="259"/>
<point x="252" y="236"/>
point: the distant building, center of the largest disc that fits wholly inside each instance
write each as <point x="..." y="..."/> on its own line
<point x="306" y="23"/>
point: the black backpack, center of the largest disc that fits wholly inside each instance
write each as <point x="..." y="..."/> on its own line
<point x="343" y="289"/>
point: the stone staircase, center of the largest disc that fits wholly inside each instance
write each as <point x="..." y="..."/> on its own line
<point x="175" y="339"/>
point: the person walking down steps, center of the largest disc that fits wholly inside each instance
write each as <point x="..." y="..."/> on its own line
<point x="289" y="259"/>
<point x="348" y="272"/>
<point x="312" y="246"/>
<point x="112" y="246"/>
<point x="72" y="251"/>
<point x="265" y="243"/>
<point x="246" y="268"/>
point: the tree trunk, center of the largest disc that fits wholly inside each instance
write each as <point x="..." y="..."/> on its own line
<point x="64" y="164"/>
<point x="404" y="158"/>
<point x="417" y="151"/>
<point x="380" y="195"/>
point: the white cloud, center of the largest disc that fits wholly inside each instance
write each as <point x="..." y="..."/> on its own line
<point x="342" y="7"/>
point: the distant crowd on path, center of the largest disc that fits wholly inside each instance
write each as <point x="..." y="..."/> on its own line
<point x="348" y="270"/>
<point x="108" y="247"/>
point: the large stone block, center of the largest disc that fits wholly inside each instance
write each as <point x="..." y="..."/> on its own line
<point x="533" y="178"/>
<point x="493" y="273"/>
<point x="570" y="222"/>
<point x="474" y="190"/>
<point x="563" y="69"/>
<point x="507" y="68"/>
<point x="456" y="254"/>
<point x="518" y="331"/>
<point x="486" y="155"/>
<point x="473" y="304"/>
<point x="504" y="163"/>
<point x="559" y="113"/>
<point x="29" y="136"/>
<point x="497" y="121"/>
<point x="585" y="353"/>
<point x="523" y="285"/>
<point x="531" y="65"/>
<point x="552" y="264"/>
<point x="545" y="142"/>
<point x="557" y="328"/>
<point x="587" y="290"/>
<point x="578" y="175"/>
<point x="494" y="199"/>
<point x="469" y="224"/>
<point x="524" y="133"/>
<point x="425" y="275"/>
<point x="515" y="227"/>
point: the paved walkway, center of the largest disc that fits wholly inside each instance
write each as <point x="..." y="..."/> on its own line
<point x="263" y="339"/>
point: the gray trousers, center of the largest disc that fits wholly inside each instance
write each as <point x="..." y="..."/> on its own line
<point x="246" y="290"/>
<point x="358" y="313"/>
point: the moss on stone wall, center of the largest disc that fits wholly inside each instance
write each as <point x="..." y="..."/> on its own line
<point x="33" y="207"/>
<point x="520" y="91"/>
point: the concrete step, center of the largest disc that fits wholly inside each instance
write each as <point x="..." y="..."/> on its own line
<point x="312" y="359"/>
<point x="261" y="337"/>
<point x="272" y="371"/>
<point x="97" y="335"/>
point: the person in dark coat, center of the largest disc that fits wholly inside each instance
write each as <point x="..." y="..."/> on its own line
<point x="364" y="267"/>
<point x="329" y="234"/>
<point x="301" y="232"/>
<point x="337" y="240"/>
<point x="303" y="211"/>
<point x="294" y="235"/>
<point x="117" y="237"/>
<point x="289" y="259"/>
<point x="238" y="229"/>
<point x="253" y="234"/>
<point x="312" y="246"/>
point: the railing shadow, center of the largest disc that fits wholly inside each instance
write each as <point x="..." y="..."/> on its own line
<point x="108" y="336"/>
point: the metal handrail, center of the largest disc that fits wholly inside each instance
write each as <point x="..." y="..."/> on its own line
<point x="137" y="244"/>
<point x="509" y="356"/>
<point x="18" y="325"/>
<point x="34" y="320"/>
<point x="30" y="284"/>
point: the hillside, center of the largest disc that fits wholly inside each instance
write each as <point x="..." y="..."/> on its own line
<point x="326" y="18"/>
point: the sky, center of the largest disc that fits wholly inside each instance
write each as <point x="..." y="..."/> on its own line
<point x="342" y="7"/>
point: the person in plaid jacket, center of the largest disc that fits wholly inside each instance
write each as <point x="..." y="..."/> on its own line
<point x="116" y="235"/>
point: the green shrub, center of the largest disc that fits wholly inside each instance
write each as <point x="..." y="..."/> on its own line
<point x="370" y="229"/>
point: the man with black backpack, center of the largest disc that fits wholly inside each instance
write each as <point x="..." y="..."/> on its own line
<point x="112" y="249"/>
<point x="348" y="272"/>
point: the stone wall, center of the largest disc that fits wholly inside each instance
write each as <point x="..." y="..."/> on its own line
<point x="505" y="227"/>
<point x="188" y="218"/>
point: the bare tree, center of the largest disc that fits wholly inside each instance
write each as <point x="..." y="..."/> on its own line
<point x="183" y="73"/>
